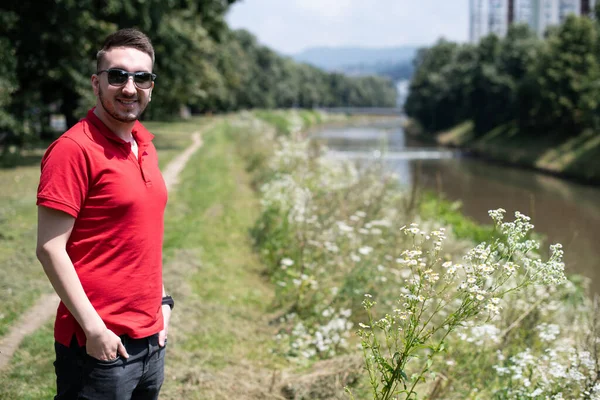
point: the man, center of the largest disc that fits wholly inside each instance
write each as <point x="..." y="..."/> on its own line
<point x="101" y="201"/>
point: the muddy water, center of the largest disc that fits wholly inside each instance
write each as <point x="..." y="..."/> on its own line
<point x="563" y="211"/>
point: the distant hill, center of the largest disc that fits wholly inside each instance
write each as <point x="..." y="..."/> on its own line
<point x="397" y="71"/>
<point x="348" y="58"/>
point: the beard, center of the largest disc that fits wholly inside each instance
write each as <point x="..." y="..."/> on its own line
<point x="111" y="108"/>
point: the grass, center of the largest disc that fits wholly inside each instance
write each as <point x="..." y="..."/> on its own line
<point x="220" y="336"/>
<point x="31" y="371"/>
<point x="458" y="135"/>
<point x="220" y="332"/>
<point x="172" y="137"/>
<point x="278" y="120"/>
<point x="22" y="277"/>
<point x="285" y="121"/>
<point x="574" y="157"/>
<point x="436" y="208"/>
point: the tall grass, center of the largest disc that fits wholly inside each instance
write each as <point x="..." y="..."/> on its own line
<point x="331" y="232"/>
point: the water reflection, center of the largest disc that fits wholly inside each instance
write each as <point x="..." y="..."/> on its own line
<point x="565" y="212"/>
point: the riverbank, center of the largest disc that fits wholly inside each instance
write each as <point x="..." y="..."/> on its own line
<point x="270" y="249"/>
<point x="338" y="238"/>
<point x="575" y="159"/>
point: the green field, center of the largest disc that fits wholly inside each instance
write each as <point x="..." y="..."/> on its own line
<point x="224" y="253"/>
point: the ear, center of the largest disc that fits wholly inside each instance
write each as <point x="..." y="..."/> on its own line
<point x="96" y="84"/>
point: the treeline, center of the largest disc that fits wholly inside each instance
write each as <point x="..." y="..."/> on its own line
<point x="548" y="86"/>
<point x="48" y="49"/>
<point x="397" y="72"/>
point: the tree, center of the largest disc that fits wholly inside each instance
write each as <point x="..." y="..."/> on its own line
<point x="8" y="84"/>
<point x="566" y="80"/>
<point x="430" y="91"/>
<point x="201" y="64"/>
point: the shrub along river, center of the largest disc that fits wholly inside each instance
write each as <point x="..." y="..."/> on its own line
<point x="563" y="211"/>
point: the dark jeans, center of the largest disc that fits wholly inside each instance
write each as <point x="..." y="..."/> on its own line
<point x="80" y="376"/>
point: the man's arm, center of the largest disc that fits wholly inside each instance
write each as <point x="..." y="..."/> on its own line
<point x="54" y="229"/>
<point x="166" y="310"/>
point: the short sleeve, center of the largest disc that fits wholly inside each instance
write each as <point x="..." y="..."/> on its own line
<point x="64" y="177"/>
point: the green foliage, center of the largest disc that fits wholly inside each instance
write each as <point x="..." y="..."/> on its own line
<point x="8" y="81"/>
<point x="201" y="64"/>
<point x="449" y="213"/>
<point x="435" y="98"/>
<point x="547" y="86"/>
<point x="567" y="76"/>
<point x="451" y="321"/>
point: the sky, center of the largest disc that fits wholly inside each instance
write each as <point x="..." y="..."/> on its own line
<point x="290" y="26"/>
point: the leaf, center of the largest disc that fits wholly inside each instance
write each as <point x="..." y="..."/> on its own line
<point x="403" y="375"/>
<point x="429" y="363"/>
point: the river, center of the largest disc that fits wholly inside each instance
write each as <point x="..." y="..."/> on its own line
<point x="563" y="211"/>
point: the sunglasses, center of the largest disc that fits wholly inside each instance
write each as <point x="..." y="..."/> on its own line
<point x="119" y="77"/>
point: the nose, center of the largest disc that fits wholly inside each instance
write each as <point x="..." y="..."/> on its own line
<point x="129" y="88"/>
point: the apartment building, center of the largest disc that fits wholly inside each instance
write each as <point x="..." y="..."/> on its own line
<point x="494" y="16"/>
<point x="523" y="11"/>
<point x="488" y="16"/>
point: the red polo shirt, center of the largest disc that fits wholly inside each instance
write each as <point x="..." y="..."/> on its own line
<point x="118" y="204"/>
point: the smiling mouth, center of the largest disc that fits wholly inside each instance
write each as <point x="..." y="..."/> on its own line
<point x="127" y="102"/>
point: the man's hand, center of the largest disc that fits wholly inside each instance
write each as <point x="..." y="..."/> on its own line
<point x="162" y="335"/>
<point x="105" y="346"/>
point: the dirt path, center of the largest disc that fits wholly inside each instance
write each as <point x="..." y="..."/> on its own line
<point x="45" y="307"/>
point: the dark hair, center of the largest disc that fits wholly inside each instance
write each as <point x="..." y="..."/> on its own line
<point x="128" y="37"/>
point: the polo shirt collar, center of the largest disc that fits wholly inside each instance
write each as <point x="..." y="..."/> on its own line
<point x="140" y="133"/>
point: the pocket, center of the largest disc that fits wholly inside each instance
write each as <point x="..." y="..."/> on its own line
<point x="117" y="361"/>
<point x="107" y="363"/>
